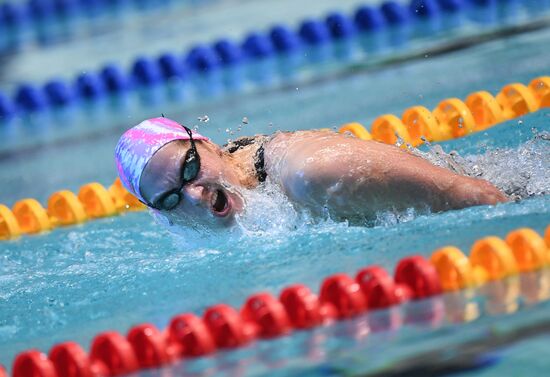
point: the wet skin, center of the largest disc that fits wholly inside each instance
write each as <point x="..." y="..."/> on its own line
<point x="319" y="171"/>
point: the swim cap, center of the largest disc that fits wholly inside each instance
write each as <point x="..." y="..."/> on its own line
<point x="137" y="145"/>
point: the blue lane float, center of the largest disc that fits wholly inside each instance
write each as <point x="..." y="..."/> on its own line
<point x="284" y="39"/>
<point x="202" y="59"/>
<point x="114" y="79"/>
<point x="148" y="71"/>
<point x="58" y="93"/>
<point x="89" y="86"/>
<point x="314" y="32"/>
<point x="369" y="19"/>
<point x="229" y="53"/>
<point x="257" y="46"/>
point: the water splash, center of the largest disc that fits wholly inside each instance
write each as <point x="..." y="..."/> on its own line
<point x="519" y="172"/>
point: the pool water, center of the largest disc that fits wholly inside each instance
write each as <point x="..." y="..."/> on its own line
<point x="113" y="273"/>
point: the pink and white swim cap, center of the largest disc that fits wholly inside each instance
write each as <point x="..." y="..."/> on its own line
<point x="137" y="145"/>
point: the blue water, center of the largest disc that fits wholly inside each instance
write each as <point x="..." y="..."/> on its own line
<point x="113" y="273"/>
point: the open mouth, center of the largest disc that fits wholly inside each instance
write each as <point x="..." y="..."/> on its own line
<point x="220" y="203"/>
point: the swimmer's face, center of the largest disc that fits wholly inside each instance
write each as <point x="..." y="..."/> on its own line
<point x="211" y="199"/>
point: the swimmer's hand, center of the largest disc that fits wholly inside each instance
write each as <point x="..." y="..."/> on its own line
<point x="467" y="192"/>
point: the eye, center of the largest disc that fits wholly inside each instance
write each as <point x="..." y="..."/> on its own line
<point x="190" y="171"/>
<point x="170" y="201"/>
<point x="191" y="166"/>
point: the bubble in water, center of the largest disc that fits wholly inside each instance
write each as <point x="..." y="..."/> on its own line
<point x="245" y="120"/>
<point x="204" y="119"/>
<point x="520" y="122"/>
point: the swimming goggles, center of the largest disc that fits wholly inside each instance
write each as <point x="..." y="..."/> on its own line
<point x="189" y="171"/>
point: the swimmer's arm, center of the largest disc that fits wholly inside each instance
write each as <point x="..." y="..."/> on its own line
<point x="367" y="177"/>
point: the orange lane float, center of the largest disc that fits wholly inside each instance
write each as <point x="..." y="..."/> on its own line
<point x="540" y="87"/>
<point x="65" y="208"/>
<point x="452" y="118"/>
<point x="264" y="316"/>
<point x="357" y="130"/>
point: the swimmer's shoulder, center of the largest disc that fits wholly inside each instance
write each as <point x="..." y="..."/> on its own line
<point x="246" y="142"/>
<point x="301" y="134"/>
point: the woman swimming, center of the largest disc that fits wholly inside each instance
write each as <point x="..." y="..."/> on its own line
<point x="186" y="178"/>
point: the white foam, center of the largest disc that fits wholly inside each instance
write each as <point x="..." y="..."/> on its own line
<point x="520" y="172"/>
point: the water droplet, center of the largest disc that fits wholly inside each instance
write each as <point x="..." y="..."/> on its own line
<point x="399" y="142"/>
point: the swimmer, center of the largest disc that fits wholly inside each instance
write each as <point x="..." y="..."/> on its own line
<point x="186" y="178"/>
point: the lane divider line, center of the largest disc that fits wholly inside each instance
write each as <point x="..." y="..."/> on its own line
<point x="145" y="72"/>
<point x="66" y="208"/>
<point x="264" y="316"/>
<point x="453" y="118"/>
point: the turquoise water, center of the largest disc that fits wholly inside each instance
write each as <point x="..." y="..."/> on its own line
<point x="113" y="273"/>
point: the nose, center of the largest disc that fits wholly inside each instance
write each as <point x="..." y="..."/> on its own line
<point x="193" y="194"/>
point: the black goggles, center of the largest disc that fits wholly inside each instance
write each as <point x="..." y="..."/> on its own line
<point x="189" y="171"/>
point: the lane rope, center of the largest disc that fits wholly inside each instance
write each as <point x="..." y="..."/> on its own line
<point x="281" y="40"/>
<point x="340" y="297"/>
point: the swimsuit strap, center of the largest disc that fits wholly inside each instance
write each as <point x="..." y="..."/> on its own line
<point x="259" y="162"/>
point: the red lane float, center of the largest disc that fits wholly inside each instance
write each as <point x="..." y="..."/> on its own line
<point x="188" y="336"/>
<point x="149" y="346"/>
<point x="417" y="273"/>
<point x="342" y="296"/>
<point x="70" y="360"/>
<point x="227" y="327"/>
<point x="114" y="353"/>
<point x="380" y="289"/>
<point x="267" y="315"/>
<point x="303" y="307"/>
<point x="33" y="363"/>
